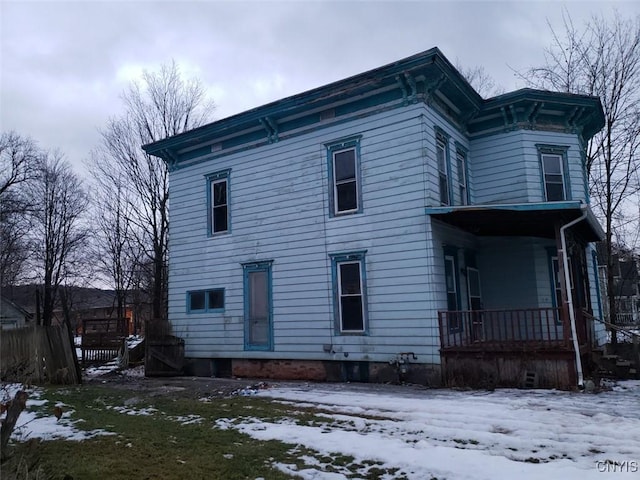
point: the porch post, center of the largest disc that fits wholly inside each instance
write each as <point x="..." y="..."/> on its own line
<point x="564" y="308"/>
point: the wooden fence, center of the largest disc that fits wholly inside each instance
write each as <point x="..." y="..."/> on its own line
<point x="102" y="338"/>
<point x="164" y="352"/>
<point x="37" y="355"/>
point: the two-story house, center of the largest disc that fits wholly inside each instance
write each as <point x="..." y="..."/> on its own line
<point x="391" y="225"/>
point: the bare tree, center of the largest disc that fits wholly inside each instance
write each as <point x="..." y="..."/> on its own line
<point x="603" y="59"/>
<point x="480" y="80"/>
<point x="162" y="105"/>
<point x="58" y="233"/>
<point x="113" y="245"/>
<point x="19" y="160"/>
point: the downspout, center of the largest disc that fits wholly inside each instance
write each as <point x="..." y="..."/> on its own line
<point x="567" y="282"/>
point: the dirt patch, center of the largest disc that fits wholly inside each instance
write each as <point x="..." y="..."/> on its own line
<point x="175" y="387"/>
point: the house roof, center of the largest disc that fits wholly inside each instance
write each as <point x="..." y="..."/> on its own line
<point x="426" y="76"/>
<point x="524" y="219"/>
<point x="6" y="303"/>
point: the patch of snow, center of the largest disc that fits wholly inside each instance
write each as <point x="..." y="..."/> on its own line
<point x="187" y="419"/>
<point x="525" y="434"/>
<point x="133" y="411"/>
<point x="33" y="424"/>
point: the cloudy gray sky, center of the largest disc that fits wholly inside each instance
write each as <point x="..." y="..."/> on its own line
<point x="63" y="65"/>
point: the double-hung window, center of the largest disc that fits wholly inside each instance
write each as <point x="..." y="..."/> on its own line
<point x="442" y="160"/>
<point x="344" y="165"/>
<point x="461" y="166"/>
<point x="202" y="301"/>
<point x="350" y="303"/>
<point x="218" y="218"/>
<point x="553" y="162"/>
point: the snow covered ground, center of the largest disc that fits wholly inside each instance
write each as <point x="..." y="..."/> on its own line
<point x="506" y="434"/>
<point x="431" y="434"/>
<point x="32" y="424"/>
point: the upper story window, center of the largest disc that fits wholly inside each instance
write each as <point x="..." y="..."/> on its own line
<point x="554" y="168"/>
<point x="345" y="196"/>
<point x="442" y="160"/>
<point x="202" y="301"/>
<point x="349" y="290"/>
<point x="463" y="182"/>
<point x="218" y="217"/>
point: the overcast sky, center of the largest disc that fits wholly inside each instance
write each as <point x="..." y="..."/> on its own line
<point x="64" y="64"/>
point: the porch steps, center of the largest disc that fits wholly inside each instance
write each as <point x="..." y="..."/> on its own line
<point x="614" y="366"/>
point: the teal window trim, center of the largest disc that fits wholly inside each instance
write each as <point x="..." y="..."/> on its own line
<point x="442" y="138"/>
<point x="211" y="179"/>
<point x="338" y="259"/>
<point x="560" y="151"/>
<point x="333" y="148"/>
<point x="247" y="268"/>
<point x="462" y="152"/>
<point x="207" y="308"/>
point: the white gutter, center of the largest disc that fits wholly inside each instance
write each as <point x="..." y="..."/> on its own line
<point x="567" y="282"/>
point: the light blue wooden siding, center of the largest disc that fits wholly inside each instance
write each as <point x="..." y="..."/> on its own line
<point x="279" y="197"/>
<point x="505" y="168"/>
<point x="499" y="174"/>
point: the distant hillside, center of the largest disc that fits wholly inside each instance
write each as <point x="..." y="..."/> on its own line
<point x="81" y="297"/>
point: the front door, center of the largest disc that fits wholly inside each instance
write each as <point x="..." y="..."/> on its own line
<point x="257" y="304"/>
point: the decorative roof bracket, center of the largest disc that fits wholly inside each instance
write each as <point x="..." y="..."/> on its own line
<point x="469" y="116"/>
<point x="532" y="114"/>
<point x="274" y="128"/>
<point x="271" y="127"/>
<point x="514" y="122"/>
<point x="432" y="87"/>
<point x="505" y="118"/>
<point x="412" y="84"/>
<point x="575" y="115"/>
<point x="403" y="87"/>
<point x="171" y="159"/>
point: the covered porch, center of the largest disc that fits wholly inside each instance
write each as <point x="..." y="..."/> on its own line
<point x="518" y="284"/>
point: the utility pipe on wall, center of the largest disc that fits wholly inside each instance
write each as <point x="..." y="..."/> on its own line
<point x="567" y="280"/>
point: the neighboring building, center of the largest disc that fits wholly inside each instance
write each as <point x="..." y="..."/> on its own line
<point x="626" y="277"/>
<point x="392" y="225"/>
<point x="13" y="316"/>
<point x="93" y="304"/>
<point x="84" y="303"/>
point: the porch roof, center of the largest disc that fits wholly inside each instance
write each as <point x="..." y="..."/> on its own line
<point x="520" y="219"/>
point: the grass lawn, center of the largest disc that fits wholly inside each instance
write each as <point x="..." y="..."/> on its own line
<point x="156" y="437"/>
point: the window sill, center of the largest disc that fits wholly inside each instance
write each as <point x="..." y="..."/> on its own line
<point x="200" y="312"/>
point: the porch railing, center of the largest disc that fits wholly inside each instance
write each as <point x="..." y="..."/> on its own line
<point x="628" y="319"/>
<point x="502" y="329"/>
